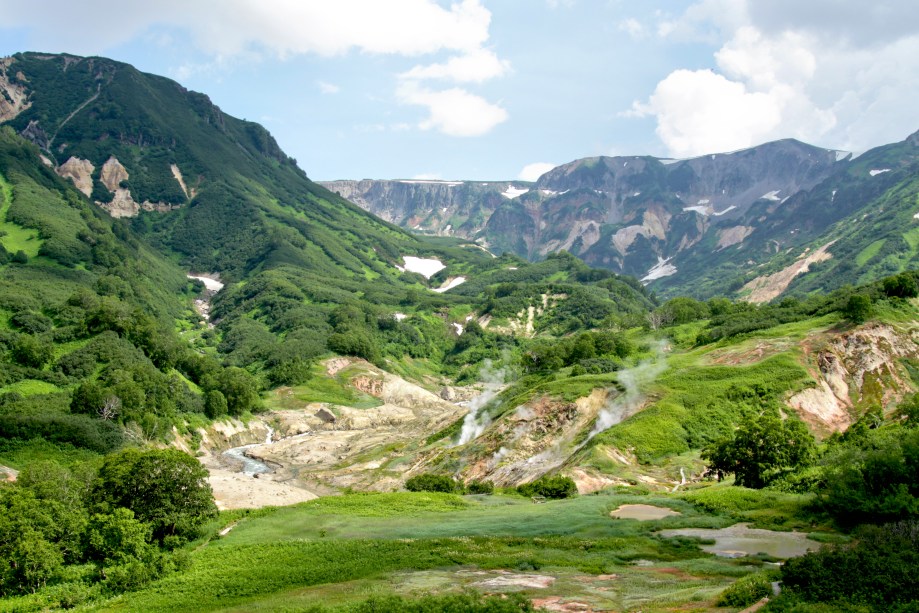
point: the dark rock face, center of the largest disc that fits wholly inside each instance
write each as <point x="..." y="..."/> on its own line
<point x="624" y="213"/>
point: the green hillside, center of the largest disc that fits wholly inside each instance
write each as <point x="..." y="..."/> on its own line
<point x="527" y="407"/>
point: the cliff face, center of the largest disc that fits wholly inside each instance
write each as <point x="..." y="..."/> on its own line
<point x="637" y="215"/>
<point x="444" y="208"/>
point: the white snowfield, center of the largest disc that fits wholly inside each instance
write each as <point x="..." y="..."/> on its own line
<point x="514" y="192"/>
<point x="662" y="269"/>
<point x="427" y="268"/>
<point x="878" y="171"/>
<point x="211" y="284"/>
<point x="450" y="285"/>
<point x="430" y="182"/>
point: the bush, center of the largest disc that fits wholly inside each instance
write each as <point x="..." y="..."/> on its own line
<point x="550" y="487"/>
<point x="430" y="482"/>
<point x="748" y="590"/>
<point x="878" y="570"/>
<point x="480" y="487"/>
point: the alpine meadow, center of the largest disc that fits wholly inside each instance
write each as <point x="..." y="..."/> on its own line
<point x="628" y="383"/>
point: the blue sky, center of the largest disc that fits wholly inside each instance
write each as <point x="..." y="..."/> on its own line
<point x="502" y="89"/>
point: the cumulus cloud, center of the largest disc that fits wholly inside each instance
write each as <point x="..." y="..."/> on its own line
<point x="782" y="71"/>
<point x="288" y="28"/>
<point x="474" y="67"/>
<point x="328" y="88"/>
<point x="454" y="112"/>
<point x="532" y="172"/>
<point x="281" y="27"/>
<point x="633" y="28"/>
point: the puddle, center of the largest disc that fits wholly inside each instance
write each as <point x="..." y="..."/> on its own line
<point x="740" y="540"/>
<point x="643" y="512"/>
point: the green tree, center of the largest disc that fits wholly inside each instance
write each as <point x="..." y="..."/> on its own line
<point x="763" y="447"/>
<point x="858" y="308"/>
<point x="215" y="404"/>
<point x="116" y="537"/>
<point x="902" y="285"/>
<point x="165" y="488"/>
<point x="32" y="351"/>
<point x="240" y="389"/>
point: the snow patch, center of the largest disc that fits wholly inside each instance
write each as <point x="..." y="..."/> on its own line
<point x="773" y="195"/>
<point x="701" y="210"/>
<point x="916" y="216"/>
<point x="704" y="201"/>
<point x="430" y="182"/>
<point x="399" y="316"/>
<point x="458" y="328"/>
<point x="662" y="269"/>
<point x="427" y="268"/>
<point x="210" y="283"/>
<point x="719" y="213"/>
<point x="548" y="192"/>
<point x="876" y="171"/>
<point x="514" y="192"/>
<point x="450" y="284"/>
<point x="636" y="194"/>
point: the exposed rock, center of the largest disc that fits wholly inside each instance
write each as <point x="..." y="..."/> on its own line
<point x="189" y="193"/>
<point x="855" y="369"/>
<point x="80" y="172"/>
<point x="764" y="289"/>
<point x="734" y="235"/>
<point x="13" y="96"/>
<point x="123" y="204"/>
<point x="36" y="134"/>
<point x="369" y="385"/>
<point x="8" y="474"/>
<point x="326" y="415"/>
<point x="112" y="174"/>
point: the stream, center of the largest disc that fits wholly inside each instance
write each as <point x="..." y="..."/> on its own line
<point x="250" y="466"/>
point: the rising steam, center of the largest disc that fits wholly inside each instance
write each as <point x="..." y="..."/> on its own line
<point x="634" y="380"/>
<point x="474" y="423"/>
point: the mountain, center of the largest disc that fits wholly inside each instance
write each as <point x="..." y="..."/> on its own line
<point x="707" y="225"/>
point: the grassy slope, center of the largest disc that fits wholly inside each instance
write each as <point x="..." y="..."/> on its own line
<point x="14" y="237"/>
<point x="341" y="550"/>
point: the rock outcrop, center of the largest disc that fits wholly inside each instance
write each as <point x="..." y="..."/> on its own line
<point x="14" y="98"/>
<point x="80" y="172"/>
<point x="623" y="213"/>
<point x="112" y="175"/>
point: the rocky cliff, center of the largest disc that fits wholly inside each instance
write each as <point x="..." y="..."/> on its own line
<point x="637" y="215"/>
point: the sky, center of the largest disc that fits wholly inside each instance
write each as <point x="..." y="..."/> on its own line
<point x="506" y="89"/>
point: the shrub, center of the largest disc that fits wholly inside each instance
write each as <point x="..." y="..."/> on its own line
<point x="550" y="487"/>
<point x="480" y="487"/>
<point x="430" y="482"/>
<point x="748" y="590"/>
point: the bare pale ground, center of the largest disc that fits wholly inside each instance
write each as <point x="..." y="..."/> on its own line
<point x="367" y="449"/>
<point x="642" y="512"/>
<point x="234" y="490"/>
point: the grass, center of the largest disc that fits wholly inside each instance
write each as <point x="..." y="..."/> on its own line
<point x="19" y="454"/>
<point x="869" y="252"/>
<point x="323" y="388"/>
<point x="764" y="508"/>
<point x="338" y="551"/>
<point x="429" y="516"/>
<point x="14" y="237"/>
<point x="30" y="387"/>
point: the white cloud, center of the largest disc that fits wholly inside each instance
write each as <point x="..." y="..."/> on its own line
<point x="280" y="27"/>
<point x="789" y="73"/>
<point x="633" y="28"/>
<point x="454" y="112"/>
<point x="328" y="88"/>
<point x="533" y="171"/>
<point x="474" y="67"/>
